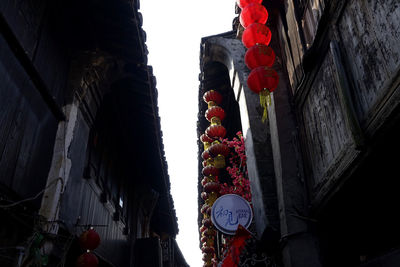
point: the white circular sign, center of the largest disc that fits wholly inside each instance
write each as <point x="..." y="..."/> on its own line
<point x="230" y="210"/>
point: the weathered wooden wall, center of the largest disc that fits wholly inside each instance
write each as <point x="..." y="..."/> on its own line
<point x="28" y="125"/>
<point x="349" y="84"/>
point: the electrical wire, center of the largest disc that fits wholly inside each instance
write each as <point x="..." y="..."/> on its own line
<point x="34" y="197"/>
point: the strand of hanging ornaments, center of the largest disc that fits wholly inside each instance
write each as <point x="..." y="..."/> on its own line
<point x="259" y="57"/>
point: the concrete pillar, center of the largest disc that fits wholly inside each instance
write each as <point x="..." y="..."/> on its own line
<point x="59" y="170"/>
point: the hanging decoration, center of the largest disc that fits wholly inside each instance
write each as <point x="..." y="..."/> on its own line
<point x="259" y="57"/>
<point x="252" y="13"/>
<point x="243" y="3"/>
<point x="256" y="33"/>
<point x="89" y="240"/>
<point x="213" y="161"/>
<point x="87" y="259"/>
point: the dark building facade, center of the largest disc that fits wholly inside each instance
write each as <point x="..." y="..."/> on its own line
<point x="323" y="166"/>
<point x="80" y="138"/>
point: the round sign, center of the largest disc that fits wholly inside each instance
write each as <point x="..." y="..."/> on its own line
<point x="229" y="211"/>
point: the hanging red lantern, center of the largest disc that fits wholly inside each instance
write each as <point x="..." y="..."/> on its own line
<point x="206" y="140"/>
<point x="89" y="239"/>
<point x="208" y="250"/>
<point x="243" y="3"/>
<point x="87" y="260"/>
<point x="205" y="180"/>
<point x="252" y="13"/>
<point x="207" y="222"/>
<point x="215" y="115"/>
<point x="259" y="55"/>
<point x="219" y="152"/>
<point x="212" y="98"/>
<point x="216" y="131"/>
<point x="212" y="187"/>
<point x="205" y="155"/>
<point x="219" y="149"/>
<point x="210" y="171"/>
<point x="262" y="78"/>
<point x="204" y="208"/>
<point x="256" y="33"/>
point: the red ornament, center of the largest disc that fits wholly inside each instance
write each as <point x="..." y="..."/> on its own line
<point x="87" y="260"/>
<point x="215" y="111"/>
<point x="205" y="155"/>
<point x="204" y="209"/>
<point x="208" y="211"/>
<point x="210" y="170"/>
<point x="256" y="33"/>
<point x="244" y="3"/>
<point x="216" y="131"/>
<point x="204" y="181"/>
<point x="259" y="55"/>
<point x="208" y="250"/>
<point x="212" y="96"/>
<point x="204" y="239"/>
<point x="204" y="195"/>
<point x="212" y="187"/>
<point x="252" y="13"/>
<point x="89" y="239"/>
<point x="206" y="139"/>
<point x="219" y="149"/>
<point x="262" y="78"/>
<point x="207" y="222"/>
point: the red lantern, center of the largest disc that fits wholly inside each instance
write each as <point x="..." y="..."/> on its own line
<point x="219" y="152"/>
<point x="219" y="149"/>
<point x="204" y="138"/>
<point x="204" y="195"/>
<point x="207" y="222"/>
<point x="208" y="210"/>
<point x="208" y="250"/>
<point x="259" y="55"/>
<point x="215" y="112"/>
<point x="244" y="3"/>
<point x="210" y="170"/>
<point x="216" y="131"/>
<point x="205" y="155"/>
<point x="256" y="33"/>
<point x="87" y="260"/>
<point x="212" y="187"/>
<point x="212" y="96"/>
<point x="204" y="209"/>
<point x="89" y="239"/>
<point x="262" y="78"/>
<point x="252" y="13"/>
<point x="204" y="181"/>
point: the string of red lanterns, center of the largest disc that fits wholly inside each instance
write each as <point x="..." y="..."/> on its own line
<point x="213" y="160"/>
<point x="88" y="240"/>
<point x="259" y="57"/>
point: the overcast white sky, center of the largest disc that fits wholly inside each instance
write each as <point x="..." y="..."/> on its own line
<point x="174" y="29"/>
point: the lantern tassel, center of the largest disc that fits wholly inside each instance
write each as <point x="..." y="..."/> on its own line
<point x="265" y="101"/>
